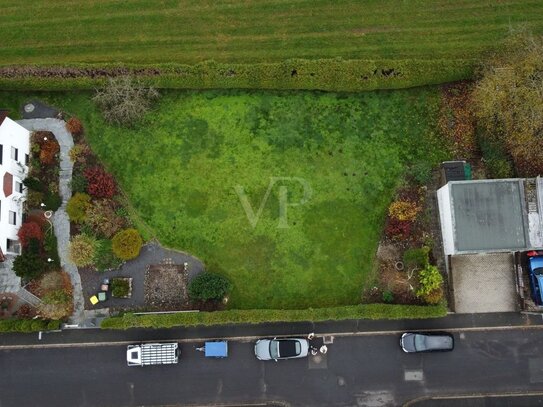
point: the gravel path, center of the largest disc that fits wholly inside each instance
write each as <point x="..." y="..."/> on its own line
<point x="60" y="218"/>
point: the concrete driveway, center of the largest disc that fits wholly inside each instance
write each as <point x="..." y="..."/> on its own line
<point x="484" y="283"/>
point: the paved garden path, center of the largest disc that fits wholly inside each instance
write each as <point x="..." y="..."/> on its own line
<point x="60" y="217"/>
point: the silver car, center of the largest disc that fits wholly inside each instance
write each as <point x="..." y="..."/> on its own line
<point x="286" y="348"/>
<point x="414" y="342"/>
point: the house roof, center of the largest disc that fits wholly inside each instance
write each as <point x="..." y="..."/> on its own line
<point x="489" y="215"/>
<point x="8" y="184"/>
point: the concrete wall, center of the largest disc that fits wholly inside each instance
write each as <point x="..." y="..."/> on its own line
<point x="446" y="219"/>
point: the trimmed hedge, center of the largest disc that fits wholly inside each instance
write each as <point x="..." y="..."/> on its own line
<point x="363" y="311"/>
<point x="28" y="325"/>
<point x="320" y="74"/>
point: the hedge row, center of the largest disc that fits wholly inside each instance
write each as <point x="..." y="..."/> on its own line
<point x="320" y="74"/>
<point x="365" y="311"/>
<point x="28" y="325"/>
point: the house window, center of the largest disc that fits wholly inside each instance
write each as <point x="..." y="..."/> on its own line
<point x="12" y="218"/>
<point x="1" y="153"/>
<point x="27" y="159"/>
<point x="14" y="153"/>
<point x="18" y="187"/>
<point x="13" y="246"/>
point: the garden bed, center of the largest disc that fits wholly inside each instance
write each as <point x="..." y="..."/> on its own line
<point x="121" y="287"/>
<point x="166" y="287"/>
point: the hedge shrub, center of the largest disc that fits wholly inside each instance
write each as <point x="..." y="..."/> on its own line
<point x="209" y="286"/>
<point x="28" y="325"/>
<point x="323" y="74"/>
<point x="257" y="316"/>
<point x="127" y="244"/>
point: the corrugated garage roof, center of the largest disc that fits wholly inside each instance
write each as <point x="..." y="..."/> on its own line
<point x="489" y="215"/>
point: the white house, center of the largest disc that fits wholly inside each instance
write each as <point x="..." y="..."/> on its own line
<point x="14" y="156"/>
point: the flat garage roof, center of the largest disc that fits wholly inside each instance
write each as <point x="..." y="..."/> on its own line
<point x="489" y="215"/>
<point x="484" y="283"/>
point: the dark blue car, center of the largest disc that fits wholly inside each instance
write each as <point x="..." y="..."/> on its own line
<point x="536" y="278"/>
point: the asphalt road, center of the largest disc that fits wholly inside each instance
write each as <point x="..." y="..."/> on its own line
<point x="357" y="370"/>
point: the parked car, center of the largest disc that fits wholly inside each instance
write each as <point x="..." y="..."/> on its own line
<point x="287" y="348"/>
<point x="413" y="342"/>
<point x="535" y="266"/>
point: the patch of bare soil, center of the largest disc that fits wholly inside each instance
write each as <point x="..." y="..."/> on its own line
<point x="166" y="287"/>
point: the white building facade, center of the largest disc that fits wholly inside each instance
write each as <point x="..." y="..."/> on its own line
<point x="14" y="157"/>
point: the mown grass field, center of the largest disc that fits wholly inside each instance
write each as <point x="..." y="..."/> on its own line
<point x="182" y="166"/>
<point x="149" y="31"/>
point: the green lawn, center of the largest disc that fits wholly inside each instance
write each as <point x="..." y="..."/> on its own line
<point x="149" y="31"/>
<point x="181" y="169"/>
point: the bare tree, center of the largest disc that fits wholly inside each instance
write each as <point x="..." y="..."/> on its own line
<point x="124" y="100"/>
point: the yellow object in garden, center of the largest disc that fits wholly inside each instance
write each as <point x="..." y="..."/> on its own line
<point x="94" y="300"/>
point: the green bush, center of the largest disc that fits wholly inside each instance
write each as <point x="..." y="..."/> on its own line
<point x="258" y="316"/>
<point x="77" y="207"/>
<point x="209" y="286"/>
<point x="417" y="257"/>
<point x="30" y="265"/>
<point x="78" y="182"/>
<point x="421" y="172"/>
<point x="388" y="297"/>
<point x="34" y="199"/>
<point x="120" y="287"/>
<point x="52" y="201"/>
<point x="497" y="162"/>
<point x="82" y="250"/>
<point x="26" y="325"/>
<point x="127" y="244"/>
<point x="322" y="74"/>
<point x="499" y="168"/>
<point x="105" y="259"/>
<point x="34" y="184"/>
<point x="430" y="285"/>
<point x="50" y="246"/>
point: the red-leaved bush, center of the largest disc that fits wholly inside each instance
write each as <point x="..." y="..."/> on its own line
<point x="29" y="230"/>
<point x="48" y="151"/>
<point x="398" y="229"/>
<point x="100" y="184"/>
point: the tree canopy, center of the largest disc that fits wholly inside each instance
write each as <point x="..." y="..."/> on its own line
<point x="508" y="100"/>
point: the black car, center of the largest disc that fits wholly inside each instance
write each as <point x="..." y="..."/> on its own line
<point x="413" y="342"/>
